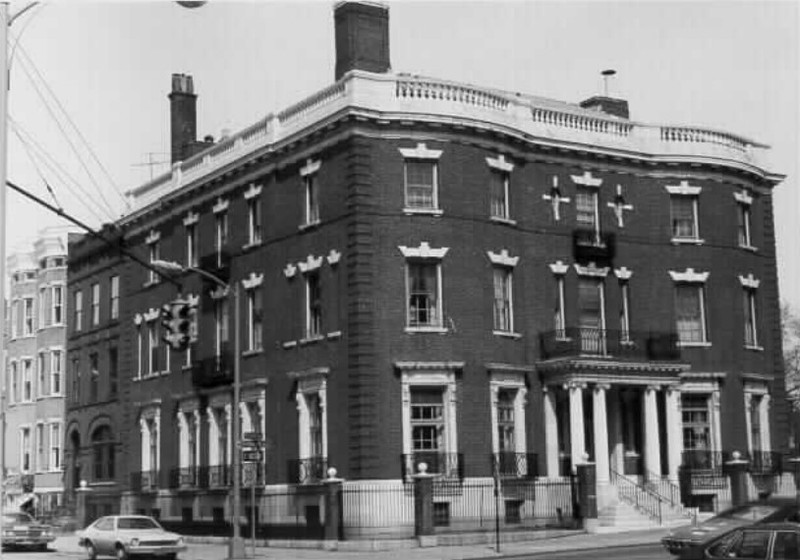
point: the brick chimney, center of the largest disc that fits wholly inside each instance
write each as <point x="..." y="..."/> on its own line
<point x="183" y="116"/>
<point x="609" y="105"/>
<point x="362" y="37"/>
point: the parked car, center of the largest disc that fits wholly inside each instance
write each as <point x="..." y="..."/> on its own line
<point x="20" y="530"/>
<point x="762" y="540"/>
<point x="124" y="536"/>
<point x="689" y="541"/>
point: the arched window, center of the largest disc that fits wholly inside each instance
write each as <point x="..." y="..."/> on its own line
<point x="103" y="453"/>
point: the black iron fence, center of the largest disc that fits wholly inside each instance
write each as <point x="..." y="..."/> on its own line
<point x="576" y="341"/>
<point x="448" y="465"/>
<point x="308" y="470"/>
<point x="515" y="465"/>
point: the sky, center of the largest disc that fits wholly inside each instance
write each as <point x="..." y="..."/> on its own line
<point x="89" y="80"/>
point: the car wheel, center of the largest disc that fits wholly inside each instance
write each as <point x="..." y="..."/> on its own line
<point x="121" y="553"/>
<point x="91" y="551"/>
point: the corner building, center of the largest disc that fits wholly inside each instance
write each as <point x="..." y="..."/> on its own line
<point x="445" y="273"/>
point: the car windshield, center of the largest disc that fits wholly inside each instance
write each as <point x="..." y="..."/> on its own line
<point x="12" y="518"/>
<point x="751" y="512"/>
<point x="137" y="523"/>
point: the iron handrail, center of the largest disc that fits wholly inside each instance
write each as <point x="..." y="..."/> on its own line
<point x="640" y="497"/>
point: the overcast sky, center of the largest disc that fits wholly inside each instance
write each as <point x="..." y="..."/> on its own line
<point x="726" y="65"/>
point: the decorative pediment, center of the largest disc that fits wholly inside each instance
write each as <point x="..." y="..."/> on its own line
<point x="743" y="197"/>
<point x="311" y="263"/>
<point x="420" y="152"/>
<point x="219" y="292"/>
<point x="153" y="236"/>
<point x="500" y="163"/>
<point x="253" y="281"/>
<point x="749" y="281"/>
<point x="313" y="372"/>
<point x="591" y="270"/>
<point x="689" y="275"/>
<point x="424" y="251"/>
<point x="559" y="268"/>
<point x="220" y="206"/>
<point x="333" y="257"/>
<point x="684" y="189"/>
<point x="310" y="167"/>
<point x="252" y="192"/>
<point x="587" y="180"/>
<point x="623" y="273"/>
<point x="191" y="218"/>
<point x="151" y="314"/>
<point x="502" y="258"/>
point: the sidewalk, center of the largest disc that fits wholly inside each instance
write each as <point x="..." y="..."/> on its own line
<point x="216" y="548"/>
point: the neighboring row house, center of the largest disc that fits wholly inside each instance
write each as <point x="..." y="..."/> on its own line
<point x="34" y="384"/>
<point x="429" y="271"/>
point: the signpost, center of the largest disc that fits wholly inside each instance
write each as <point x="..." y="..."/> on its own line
<point x="252" y="457"/>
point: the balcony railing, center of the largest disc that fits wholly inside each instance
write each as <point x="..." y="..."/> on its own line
<point x="184" y="477"/>
<point x="515" y="465"/>
<point x="449" y="465"/>
<point x="144" y="481"/>
<point x="589" y="245"/>
<point x="308" y="470"/>
<point x="214" y="371"/>
<point x="766" y="462"/>
<point x="632" y="345"/>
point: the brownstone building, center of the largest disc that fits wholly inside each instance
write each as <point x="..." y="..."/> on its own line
<point x="439" y="272"/>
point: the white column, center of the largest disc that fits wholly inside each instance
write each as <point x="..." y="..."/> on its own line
<point x="766" y="445"/>
<point x="521" y="443"/>
<point x="157" y="431"/>
<point x="551" y="431"/>
<point x="576" y="429"/>
<point x="323" y="406"/>
<point x="304" y="444"/>
<point x="196" y="416"/>
<point x="451" y="432"/>
<point x="716" y="426"/>
<point x="494" y="391"/>
<point x="600" y="432"/>
<point x="228" y="433"/>
<point x="145" y="433"/>
<point x="674" y="431"/>
<point x="244" y="414"/>
<point x="262" y="421"/>
<point x="652" y="454"/>
<point x="619" y="441"/>
<point x="183" y="440"/>
<point x="748" y="424"/>
<point x="213" y="437"/>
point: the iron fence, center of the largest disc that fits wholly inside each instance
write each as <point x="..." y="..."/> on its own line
<point x="515" y="465"/>
<point x="309" y="470"/>
<point x="449" y="465"/>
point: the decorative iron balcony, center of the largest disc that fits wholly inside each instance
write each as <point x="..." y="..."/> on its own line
<point x="144" y="481"/>
<point x="448" y="465"/>
<point x="515" y="465"/>
<point x="214" y="371"/>
<point x="184" y="477"/>
<point x="632" y="345"/>
<point x="308" y="470"/>
<point x="218" y="476"/>
<point x="765" y="462"/>
<point x="589" y="245"/>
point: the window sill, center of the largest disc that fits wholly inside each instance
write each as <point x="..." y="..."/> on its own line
<point x="435" y="330"/>
<point x="749" y="248"/>
<point x="423" y="211"/>
<point x="252" y="245"/>
<point x="311" y="340"/>
<point x="289" y="344"/>
<point x="687" y="241"/>
<point x="309" y="225"/>
<point x="504" y="221"/>
<point x="334" y="335"/>
<point x="249" y="353"/>
<point x="101" y="483"/>
<point x="753" y="348"/>
<point x="150" y="283"/>
<point x="693" y="344"/>
<point x="507" y="334"/>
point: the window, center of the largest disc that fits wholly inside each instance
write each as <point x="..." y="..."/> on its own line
<point x="254" y="220"/>
<point x="56" y="368"/>
<point x="14" y="396"/>
<point x="41" y="367"/>
<point x="559" y="316"/>
<point x="95" y="304"/>
<point x="754" y="413"/>
<point x="690" y="313"/>
<point x="743" y="216"/>
<point x="58" y="304"/>
<point x="76" y="380"/>
<point x="506" y="440"/>
<point x="312" y="198"/>
<point x="113" y="290"/>
<point x="423" y="283"/>
<point x="314" y="405"/>
<point x="696" y="428"/>
<point x="191" y="244"/>
<point x="591" y="314"/>
<point x="27" y="380"/>
<point x="421" y="184"/>
<point x="113" y="373"/>
<point x="55" y="446"/>
<point x="312" y="426"/>
<point x="221" y="326"/>
<point x="94" y="377"/>
<point x="221" y="235"/>
<point x="14" y="318"/>
<point x="313" y="304"/>
<point x="624" y="313"/>
<point x="254" y="319"/>
<point x="750" y="329"/>
<point x="498" y="192"/>
<point x="41" y="459"/>
<point x="28" y="317"/>
<point x="683" y="212"/>
<point x="428" y="428"/>
<point x="154" y="253"/>
<point x="586" y="212"/>
<point x="153" y="348"/>
<point x="42" y="322"/>
<point x="25" y="455"/>
<point x="503" y="316"/>
<point x="78" y="321"/>
<point x="103" y="453"/>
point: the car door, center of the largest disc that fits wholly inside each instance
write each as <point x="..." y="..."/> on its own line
<point x="751" y="543"/>
<point x="786" y="545"/>
<point x="104" y="531"/>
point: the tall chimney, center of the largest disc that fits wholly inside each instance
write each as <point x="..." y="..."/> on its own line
<point x="183" y="116"/>
<point x="362" y="37"/>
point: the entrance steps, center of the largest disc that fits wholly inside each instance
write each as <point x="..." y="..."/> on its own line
<point x="631" y="505"/>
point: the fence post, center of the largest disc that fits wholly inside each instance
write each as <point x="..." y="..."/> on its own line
<point x="333" y="509"/>
<point x="423" y="506"/>
<point x="736" y="469"/>
<point x="80" y="509"/>
<point x="587" y="492"/>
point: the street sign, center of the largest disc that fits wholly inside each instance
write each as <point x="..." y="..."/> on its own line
<point x="252" y="456"/>
<point x="253" y="436"/>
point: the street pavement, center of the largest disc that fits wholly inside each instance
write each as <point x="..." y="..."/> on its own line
<point x="616" y="545"/>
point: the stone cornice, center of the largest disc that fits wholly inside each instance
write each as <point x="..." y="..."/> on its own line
<point x="429" y="366"/>
<point x="579" y="366"/>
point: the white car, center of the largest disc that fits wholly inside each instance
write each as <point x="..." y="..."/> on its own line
<point x="124" y="536"/>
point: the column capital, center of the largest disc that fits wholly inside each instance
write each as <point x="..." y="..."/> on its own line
<point x="601" y="387"/>
<point x="570" y="385"/>
<point x="673" y="390"/>
<point x="653" y="387"/>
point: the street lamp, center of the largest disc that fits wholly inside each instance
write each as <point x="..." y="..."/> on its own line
<point x="236" y="543"/>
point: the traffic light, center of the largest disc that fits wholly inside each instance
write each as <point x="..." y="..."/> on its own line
<point x="178" y="319"/>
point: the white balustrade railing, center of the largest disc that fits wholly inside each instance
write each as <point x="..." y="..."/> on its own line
<point x="405" y="97"/>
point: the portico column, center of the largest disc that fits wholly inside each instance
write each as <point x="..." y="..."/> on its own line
<point x="619" y="439"/>
<point x="652" y="455"/>
<point x="576" y="428"/>
<point x="145" y="432"/>
<point x="763" y="412"/>
<point x="213" y="437"/>
<point x="674" y="437"/>
<point x="551" y="431"/>
<point x="600" y="433"/>
<point x="183" y="443"/>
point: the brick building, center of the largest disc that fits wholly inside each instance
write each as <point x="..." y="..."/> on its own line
<point x="36" y="353"/>
<point x="439" y="272"/>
